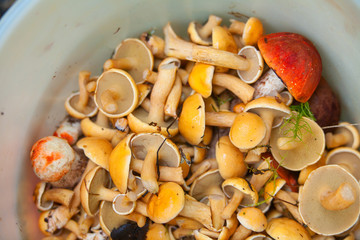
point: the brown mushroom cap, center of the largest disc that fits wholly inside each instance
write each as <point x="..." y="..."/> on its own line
<point x="252" y="218"/>
<point x="285" y="228"/>
<point x="250" y="195"/>
<point x="305" y="152"/>
<point x="51" y="158"/>
<point x="116" y="94"/>
<point x="206" y="184"/>
<point x="140" y="56"/>
<point x="319" y="219"/>
<point x="256" y="64"/>
<point x="347" y="158"/>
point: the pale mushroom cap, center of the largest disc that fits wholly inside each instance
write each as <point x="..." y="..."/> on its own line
<point x="136" y="49"/>
<point x="251" y="196"/>
<point x="269" y="104"/>
<point x="51" y="158"/>
<point x="90" y="110"/>
<point x="256" y="64"/>
<point x="123" y="88"/>
<point x="346" y="157"/>
<point x="206" y="184"/>
<point x="252" y="218"/>
<point x="108" y="218"/>
<point x="168" y="152"/>
<point x="314" y="215"/>
<point x="286" y="229"/>
<point x="39" y="190"/>
<point x="122" y="206"/>
<point x="247" y="131"/>
<point x="192" y="119"/>
<point x="308" y="151"/>
<point x="167" y="204"/>
<point x="96" y="149"/>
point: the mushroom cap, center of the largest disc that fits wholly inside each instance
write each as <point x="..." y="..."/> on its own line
<point x="256" y="64"/>
<point x="229" y="158"/>
<point x="267" y="104"/>
<point x="258" y="236"/>
<point x="314" y="215"/>
<point x="135" y="49"/>
<point x="285" y="228"/>
<point x="96" y="149"/>
<point x="94" y="180"/>
<point x="168" y="152"/>
<point x="123" y="91"/>
<point x="295" y="60"/>
<point x="192" y="119"/>
<point x="90" y="109"/>
<point x="253" y="30"/>
<point x="109" y="219"/>
<point x="247" y="131"/>
<point x="119" y="163"/>
<point x="40" y="203"/>
<point x="200" y="78"/>
<point x="122" y="205"/>
<point x="350" y="130"/>
<point x="308" y="150"/>
<point x="206" y="184"/>
<point x="51" y="158"/>
<point x="167" y="204"/>
<point x="347" y="158"/>
<point x="252" y="218"/>
<point x="230" y="185"/>
<point x="157" y="232"/>
<point x="271" y="189"/>
<point x="222" y="39"/>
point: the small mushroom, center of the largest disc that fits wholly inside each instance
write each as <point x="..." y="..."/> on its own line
<point x="329" y="202"/>
<point x="345" y="135"/>
<point x="69" y="129"/>
<point x="200" y="34"/>
<point x="241" y="192"/>
<point x="285" y="228"/>
<point x="133" y="56"/>
<point x="252" y="32"/>
<point x="116" y="94"/>
<point x="297" y="152"/>
<point x="346" y="157"/>
<point x="252" y="74"/>
<point x="217" y="205"/>
<point x="252" y="218"/>
<point x="207" y="184"/>
<point x="295" y="61"/>
<point x="155" y="43"/>
<point x="200" y="78"/>
<point x="44" y="197"/>
<point x="157" y="232"/>
<point x="197" y="211"/>
<point x="81" y="105"/>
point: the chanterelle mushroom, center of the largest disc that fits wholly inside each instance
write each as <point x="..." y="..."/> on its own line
<point x="329" y="202"/>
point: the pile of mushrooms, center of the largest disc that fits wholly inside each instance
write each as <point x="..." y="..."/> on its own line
<point x="194" y="139"/>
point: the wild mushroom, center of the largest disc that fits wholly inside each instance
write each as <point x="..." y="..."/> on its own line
<point x="157" y="232"/>
<point x="81" y="105"/>
<point x="217" y="205"/>
<point x="240" y="192"/>
<point x="252" y="32"/>
<point x="69" y="129"/>
<point x="197" y="211"/>
<point x="133" y="56"/>
<point x="285" y="228"/>
<point x="284" y="51"/>
<point x="44" y="197"/>
<point x="329" y="202"/>
<point x="252" y="74"/>
<point x="345" y="157"/>
<point x="229" y="158"/>
<point x="258" y="236"/>
<point x="155" y="150"/>
<point x="252" y="218"/>
<point x="200" y="34"/>
<point x="308" y="142"/>
<point x="55" y="161"/>
<point x="207" y="184"/>
<point x="116" y="94"/>
<point x="345" y="135"/>
<point x="154" y="121"/>
<point x="200" y="78"/>
<point x="155" y="43"/>
<point x="269" y="84"/>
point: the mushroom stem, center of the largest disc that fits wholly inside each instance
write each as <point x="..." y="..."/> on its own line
<point x="62" y="196"/>
<point x="268" y="85"/>
<point x="234" y="84"/>
<point x="233" y="204"/>
<point x="102" y="120"/>
<point x="155" y="43"/>
<point x="73" y="227"/>
<point x="108" y="100"/>
<point x="340" y="199"/>
<point x="206" y="30"/>
<point x="197" y="211"/>
<point x="236" y="27"/>
<point x="177" y="47"/>
<point x="121" y="63"/>
<point x="84" y="77"/>
<point x="259" y="180"/>
<point x="149" y="172"/>
<point x="220" y="119"/>
<point x="217" y="205"/>
<point x="107" y="194"/>
<point x="150" y="76"/>
<point x="167" y="174"/>
<point x="339" y="139"/>
<point x="141" y="208"/>
<point x="173" y="99"/>
<point x="179" y="233"/>
<point x="290" y="204"/>
<point x="288" y="143"/>
<point x="203" y="168"/>
<point x="241" y="233"/>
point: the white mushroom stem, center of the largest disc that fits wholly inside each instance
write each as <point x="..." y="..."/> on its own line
<point x="59" y="195"/>
<point x="173" y="99"/>
<point x="268" y="85"/>
<point x="108" y="100"/>
<point x="220" y="119"/>
<point x="337" y="139"/>
<point x="290" y="204"/>
<point x="234" y="84"/>
<point x="340" y="199"/>
<point x="160" y="92"/>
<point x="121" y="63"/>
<point x="167" y="174"/>
<point x="197" y="211"/>
<point x="146" y="105"/>
<point x="217" y="205"/>
<point x="84" y="77"/>
<point x="184" y="75"/>
<point x="233" y="204"/>
<point x="177" y="47"/>
<point x="58" y="217"/>
<point x="149" y="172"/>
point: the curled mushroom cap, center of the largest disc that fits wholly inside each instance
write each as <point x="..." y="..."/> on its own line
<point x="329" y="202"/>
<point x="167" y="204"/>
<point x="207" y="184"/>
<point x="347" y="158"/>
<point x="295" y="154"/>
<point x="256" y="64"/>
<point x="285" y="228"/>
<point x="201" y="34"/>
<point x="116" y="94"/>
<point x="51" y="158"/>
<point x="346" y="135"/>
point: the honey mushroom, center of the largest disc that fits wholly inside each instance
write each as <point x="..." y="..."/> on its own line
<point x="81" y="105"/>
<point x="133" y="56"/>
<point x="201" y="34"/>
